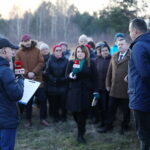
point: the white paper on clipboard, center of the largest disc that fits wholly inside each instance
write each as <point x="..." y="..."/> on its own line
<point x="30" y="87"/>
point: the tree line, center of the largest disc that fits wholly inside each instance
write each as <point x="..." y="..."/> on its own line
<point x="52" y="23"/>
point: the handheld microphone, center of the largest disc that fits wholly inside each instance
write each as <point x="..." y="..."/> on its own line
<point x="76" y="64"/>
<point x="76" y="67"/>
<point x="18" y="68"/>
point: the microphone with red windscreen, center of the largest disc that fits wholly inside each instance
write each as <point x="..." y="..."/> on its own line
<point x="18" y="68"/>
<point x="76" y="67"/>
<point x="76" y="64"/>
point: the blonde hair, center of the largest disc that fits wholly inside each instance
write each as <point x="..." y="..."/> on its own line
<point x="84" y="50"/>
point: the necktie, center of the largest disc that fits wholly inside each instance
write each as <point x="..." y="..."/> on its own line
<point x="121" y="57"/>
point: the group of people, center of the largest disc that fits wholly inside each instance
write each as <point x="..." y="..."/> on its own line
<point x="72" y="80"/>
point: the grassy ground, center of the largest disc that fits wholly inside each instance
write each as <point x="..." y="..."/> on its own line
<point x="62" y="136"/>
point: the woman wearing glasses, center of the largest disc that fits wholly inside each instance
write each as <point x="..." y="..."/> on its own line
<point x="57" y="84"/>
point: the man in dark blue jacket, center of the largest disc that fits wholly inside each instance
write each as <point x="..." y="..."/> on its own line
<point x="10" y="92"/>
<point x="139" y="80"/>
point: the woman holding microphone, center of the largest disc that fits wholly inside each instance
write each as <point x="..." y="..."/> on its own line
<point x="82" y="76"/>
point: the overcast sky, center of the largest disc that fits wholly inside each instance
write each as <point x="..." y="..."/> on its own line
<point x="82" y="5"/>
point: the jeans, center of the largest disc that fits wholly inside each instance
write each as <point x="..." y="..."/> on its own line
<point x="7" y="139"/>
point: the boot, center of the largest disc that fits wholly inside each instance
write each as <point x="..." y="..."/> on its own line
<point x="101" y="125"/>
<point x="56" y="120"/>
<point x="144" y="146"/>
<point x="44" y="122"/>
<point x="81" y="139"/>
<point x="28" y="124"/>
<point x="105" y="129"/>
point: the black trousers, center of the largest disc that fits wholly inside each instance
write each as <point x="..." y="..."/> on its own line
<point x="42" y="99"/>
<point x="142" y="121"/>
<point x="115" y="103"/>
<point x="57" y="103"/>
<point x="99" y="112"/>
<point x="103" y="105"/>
<point x="80" y="118"/>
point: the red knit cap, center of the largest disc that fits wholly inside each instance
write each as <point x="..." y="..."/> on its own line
<point x="88" y="46"/>
<point x="25" y="37"/>
<point x="55" y="46"/>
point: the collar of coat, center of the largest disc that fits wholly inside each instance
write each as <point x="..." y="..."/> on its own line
<point x="126" y="57"/>
<point x="3" y="61"/>
<point x="33" y="45"/>
<point x="107" y="57"/>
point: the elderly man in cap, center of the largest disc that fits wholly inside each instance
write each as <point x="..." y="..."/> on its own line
<point x="118" y="37"/>
<point x="33" y="62"/>
<point x="11" y="91"/>
<point x="4" y="42"/>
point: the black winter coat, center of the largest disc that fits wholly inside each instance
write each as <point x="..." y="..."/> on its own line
<point x="46" y="58"/>
<point x="102" y="67"/>
<point x="80" y="89"/>
<point x="55" y="75"/>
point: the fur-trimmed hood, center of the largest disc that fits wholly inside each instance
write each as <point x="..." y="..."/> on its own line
<point x="33" y="45"/>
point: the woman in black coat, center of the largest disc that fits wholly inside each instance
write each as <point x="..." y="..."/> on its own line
<point x="102" y="62"/>
<point x="82" y="75"/>
<point x="57" y="84"/>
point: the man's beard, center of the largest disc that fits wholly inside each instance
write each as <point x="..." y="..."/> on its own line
<point x="27" y="46"/>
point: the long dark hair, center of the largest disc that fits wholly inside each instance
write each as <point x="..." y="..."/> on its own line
<point x="84" y="50"/>
<point x="92" y="44"/>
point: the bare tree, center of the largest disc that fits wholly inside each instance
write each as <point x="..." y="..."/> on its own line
<point x="15" y="15"/>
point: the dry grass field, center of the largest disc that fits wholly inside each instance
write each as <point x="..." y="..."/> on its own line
<point x="62" y="136"/>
